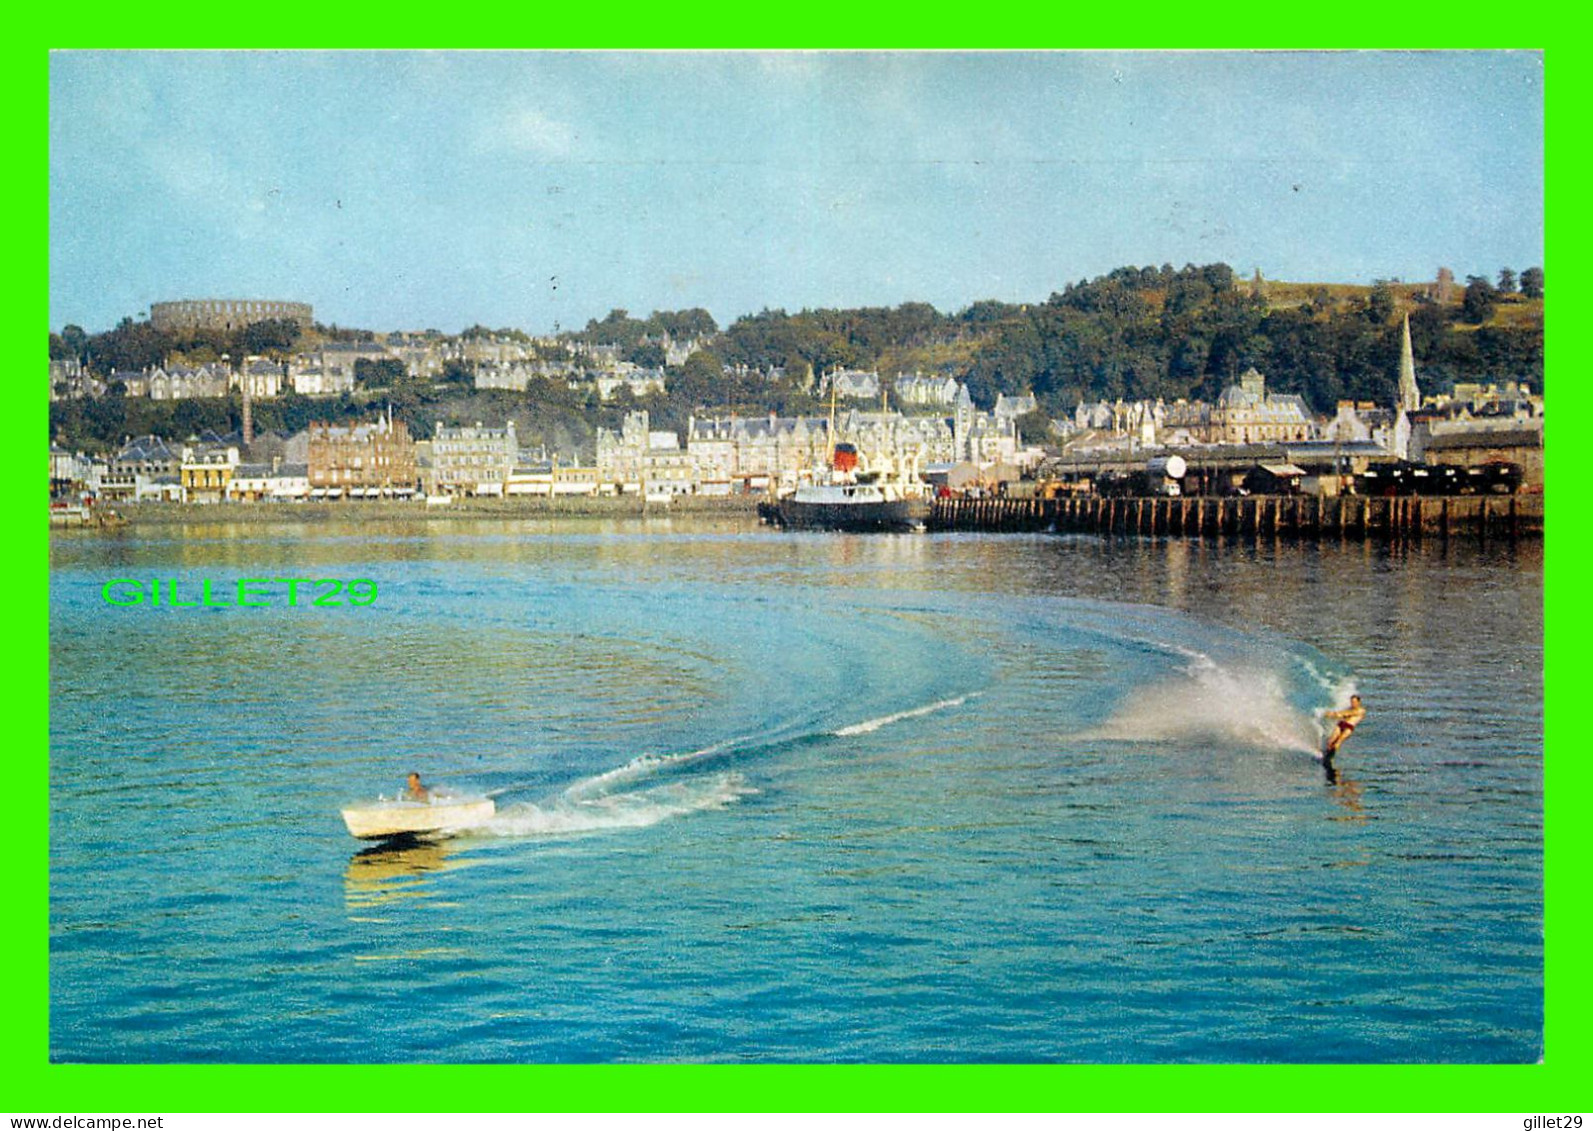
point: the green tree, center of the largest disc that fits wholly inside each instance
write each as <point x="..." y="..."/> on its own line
<point x="378" y="373"/>
<point x="271" y="336"/>
<point x="696" y="384"/>
<point x="617" y="328"/>
<point x="1428" y="323"/>
<point x="684" y="325"/>
<point x="649" y="355"/>
<point x="75" y="338"/>
<point x="1507" y="281"/>
<point x="131" y="345"/>
<point x="1380" y="302"/>
<point x="1479" y="300"/>
<point x="1034" y="427"/>
<point x="1531" y="284"/>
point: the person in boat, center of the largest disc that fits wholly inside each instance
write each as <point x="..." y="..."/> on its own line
<point x="414" y="791"/>
<point x="1348" y="720"/>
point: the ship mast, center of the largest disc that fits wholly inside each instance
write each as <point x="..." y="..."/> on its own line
<point x="832" y="436"/>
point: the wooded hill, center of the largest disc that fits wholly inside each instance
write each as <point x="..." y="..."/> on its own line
<point x="1138" y="332"/>
<point x="1158" y="332"/>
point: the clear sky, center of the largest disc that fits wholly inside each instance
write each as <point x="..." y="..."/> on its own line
<point x="413" y="190"/>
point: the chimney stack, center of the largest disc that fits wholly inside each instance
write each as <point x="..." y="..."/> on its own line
<point x="248" y="421"/>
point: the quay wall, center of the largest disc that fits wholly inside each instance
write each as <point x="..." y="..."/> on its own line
<point x="1370" y="518"/>
<point x="462" y="509"/>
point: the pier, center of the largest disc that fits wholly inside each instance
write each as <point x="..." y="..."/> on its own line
<point x="1401" y="518"/>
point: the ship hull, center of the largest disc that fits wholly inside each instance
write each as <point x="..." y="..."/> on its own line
<point x="389" y="820"/>
<point x="874" y="515"/>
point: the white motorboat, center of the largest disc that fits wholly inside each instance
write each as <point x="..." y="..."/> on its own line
<point x="438" y="816"/>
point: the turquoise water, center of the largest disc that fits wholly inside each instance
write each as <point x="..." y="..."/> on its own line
<point x="798" y="797"/>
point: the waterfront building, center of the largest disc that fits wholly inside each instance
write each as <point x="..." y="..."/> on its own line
<point x="620" y="454"/>
<point x="1139" y="422"/>
<point x="1512" y="400"/>
<point x="977" y="437"/>
<point x="1362" y="422"/>
<point x="667" y="468"/>
<point x="1247" y="414"/>
<point x="552" y="479"/>
<point x="206" y="472"/>
<point x="425" y="474"/>
<point x="141" y="469"/>
<point x="637" y="458"/>
<point x="269" y="482"/>
<point x="897" y="445"/>
<point x="73" y="471"/>
<point x="1183" y="421"/>
<point x="361" y="460"/>
<point x="574" y="479"/>
<point x="1244" y="414"/>
<point x="759" y="450"/>
<point x="147" y="455"/>
<point x="473" y="459"/>
<point x="755" y="452"/>
<point x="1473" y="447"/>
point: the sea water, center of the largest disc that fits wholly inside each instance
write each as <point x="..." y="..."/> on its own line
<point x="798" y="797"/>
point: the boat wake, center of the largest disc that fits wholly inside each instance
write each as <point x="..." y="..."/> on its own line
<point x="594" y="803"/>
<point x="873" y="725"/>
<point x="569" y="815"/>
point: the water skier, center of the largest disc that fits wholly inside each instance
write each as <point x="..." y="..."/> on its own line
<point x="1348" y="719"/>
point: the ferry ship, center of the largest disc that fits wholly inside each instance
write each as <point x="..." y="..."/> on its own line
<point x="851" y="501"/>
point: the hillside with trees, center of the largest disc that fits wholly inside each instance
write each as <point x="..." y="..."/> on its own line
<point x="1152" y="332"/>
<point x="1137" y="332"/>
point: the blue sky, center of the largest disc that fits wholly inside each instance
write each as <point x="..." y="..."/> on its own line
<point x="412" y="190"/>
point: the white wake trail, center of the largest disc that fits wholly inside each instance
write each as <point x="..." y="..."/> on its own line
<point x="636" y="809"/>
<point x="872" y="725"/>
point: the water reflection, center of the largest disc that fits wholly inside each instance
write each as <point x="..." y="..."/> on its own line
<point x="395" y="870"/>
<point x="1344" y="791"/>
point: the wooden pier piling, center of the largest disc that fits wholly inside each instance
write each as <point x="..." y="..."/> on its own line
<point x="1385" y="519"/>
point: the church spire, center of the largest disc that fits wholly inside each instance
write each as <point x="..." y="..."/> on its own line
<point x="1410" y="398"/>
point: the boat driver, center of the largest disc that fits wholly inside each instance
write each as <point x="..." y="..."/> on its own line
<point x="416" y="791"/>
